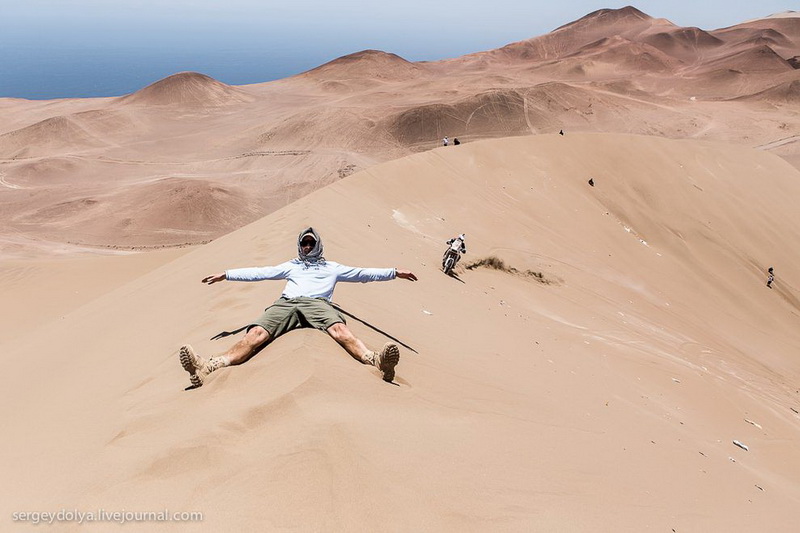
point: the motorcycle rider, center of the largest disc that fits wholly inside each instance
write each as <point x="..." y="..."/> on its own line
<point x="457" y="246"/>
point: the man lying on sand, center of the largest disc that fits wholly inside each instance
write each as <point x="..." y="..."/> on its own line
<point x="305" y="302"/>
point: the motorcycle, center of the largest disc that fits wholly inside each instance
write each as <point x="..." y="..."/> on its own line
<point x="450" y="260"/>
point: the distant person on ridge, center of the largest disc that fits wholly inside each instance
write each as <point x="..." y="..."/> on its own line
<point x="445" y="141"/>
<point x="456" y="142"/>
<point x="771" y="277"/>
<point x="305" y="302"/>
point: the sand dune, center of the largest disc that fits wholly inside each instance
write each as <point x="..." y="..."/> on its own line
<point x="498" y="112"/>
<point x="766" y="27"/>
<point x="186" y="89"/>
<point x="367" y="66"/>
<point x="769" y="37"/>
<point x="626" y="22"/>
<point x="54" y="135"/>
<point x="590" y="366"/>
<point x="684" y="43"/>
<point x="785" y="94"/>
<point x="756" y="59"/>
<point x="607" y="389"/>
<point x="37" y="292"/>
<point x="619" y="52"/>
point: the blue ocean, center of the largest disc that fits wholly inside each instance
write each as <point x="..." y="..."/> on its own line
<point x="81" y="72"/>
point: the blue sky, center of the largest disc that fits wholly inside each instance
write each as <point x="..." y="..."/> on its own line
<point x="52" y="48"/>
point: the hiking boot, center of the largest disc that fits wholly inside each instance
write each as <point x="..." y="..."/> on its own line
<point x="198" y="367"/>
<point x="386" y="360"/>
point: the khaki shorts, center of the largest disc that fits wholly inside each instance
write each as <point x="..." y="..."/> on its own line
<point x="303" y="312"/>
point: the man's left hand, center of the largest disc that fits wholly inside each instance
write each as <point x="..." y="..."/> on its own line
<point x="406" y="274"/>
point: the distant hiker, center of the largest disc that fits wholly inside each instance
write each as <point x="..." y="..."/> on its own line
<point x="456" y="142"/>
<point x="771" y="277"/>
<point x="561" y="132"/>
<point x="457" y="246"/>
<point x="591" y="182"/>
<point x="445" y="141"/>
<point x="305" y="302"/>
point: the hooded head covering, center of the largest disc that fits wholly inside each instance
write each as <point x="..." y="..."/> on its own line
<point x="315" y="255"/>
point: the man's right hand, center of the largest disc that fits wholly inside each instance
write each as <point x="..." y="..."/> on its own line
<point x="213" y="279"/>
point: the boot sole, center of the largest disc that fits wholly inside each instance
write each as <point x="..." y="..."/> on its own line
<point x="390" y="356"/>
<point x="186" y="357"/>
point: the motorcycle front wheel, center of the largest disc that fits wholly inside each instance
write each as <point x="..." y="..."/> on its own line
<point x="449" y="263"/>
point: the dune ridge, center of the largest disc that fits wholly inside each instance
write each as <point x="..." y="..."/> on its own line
<point x="366" y="66"/>
<point x="186" y="89"/>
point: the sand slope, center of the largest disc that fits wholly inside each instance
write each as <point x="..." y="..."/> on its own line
<point x="604" y="392"/>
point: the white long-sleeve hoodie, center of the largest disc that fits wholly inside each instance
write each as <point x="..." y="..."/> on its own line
<point x="315" y="280"/>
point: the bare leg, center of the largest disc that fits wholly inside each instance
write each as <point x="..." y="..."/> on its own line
<point x="246" y="348"/>
<point x="199" y="368"/>
<point x="385" y="360"/>
<point x="342" y="334"/>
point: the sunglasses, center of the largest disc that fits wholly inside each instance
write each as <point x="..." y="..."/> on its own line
<point x="308" y="242"/>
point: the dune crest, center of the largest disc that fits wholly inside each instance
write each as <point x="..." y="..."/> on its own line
<point x="607" y="20"/>
<point x="187" y="89"/>
<point x="366" y="65"/>
<point x="53" y="135"/>
<point x="786" y="93"/>
<point x="684" y="43"/>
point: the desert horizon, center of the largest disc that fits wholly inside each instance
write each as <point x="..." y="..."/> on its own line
<point x="608" y="354"/>
<point x="65" y="164"/>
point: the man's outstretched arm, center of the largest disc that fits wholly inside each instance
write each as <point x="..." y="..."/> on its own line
<point x="365" y="275"/>
<point x="252" y="273"/>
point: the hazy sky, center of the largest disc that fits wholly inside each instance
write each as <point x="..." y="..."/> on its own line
<point x="51" y="47"/>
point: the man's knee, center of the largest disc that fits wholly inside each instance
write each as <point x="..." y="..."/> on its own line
<point x="340" y="332"/>
<point x="256" y="336"/>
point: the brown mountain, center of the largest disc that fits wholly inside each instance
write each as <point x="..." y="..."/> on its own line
<point x="614" y="70"/>
<point x="367" y="65"/>
<point x="190" y="89"/>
